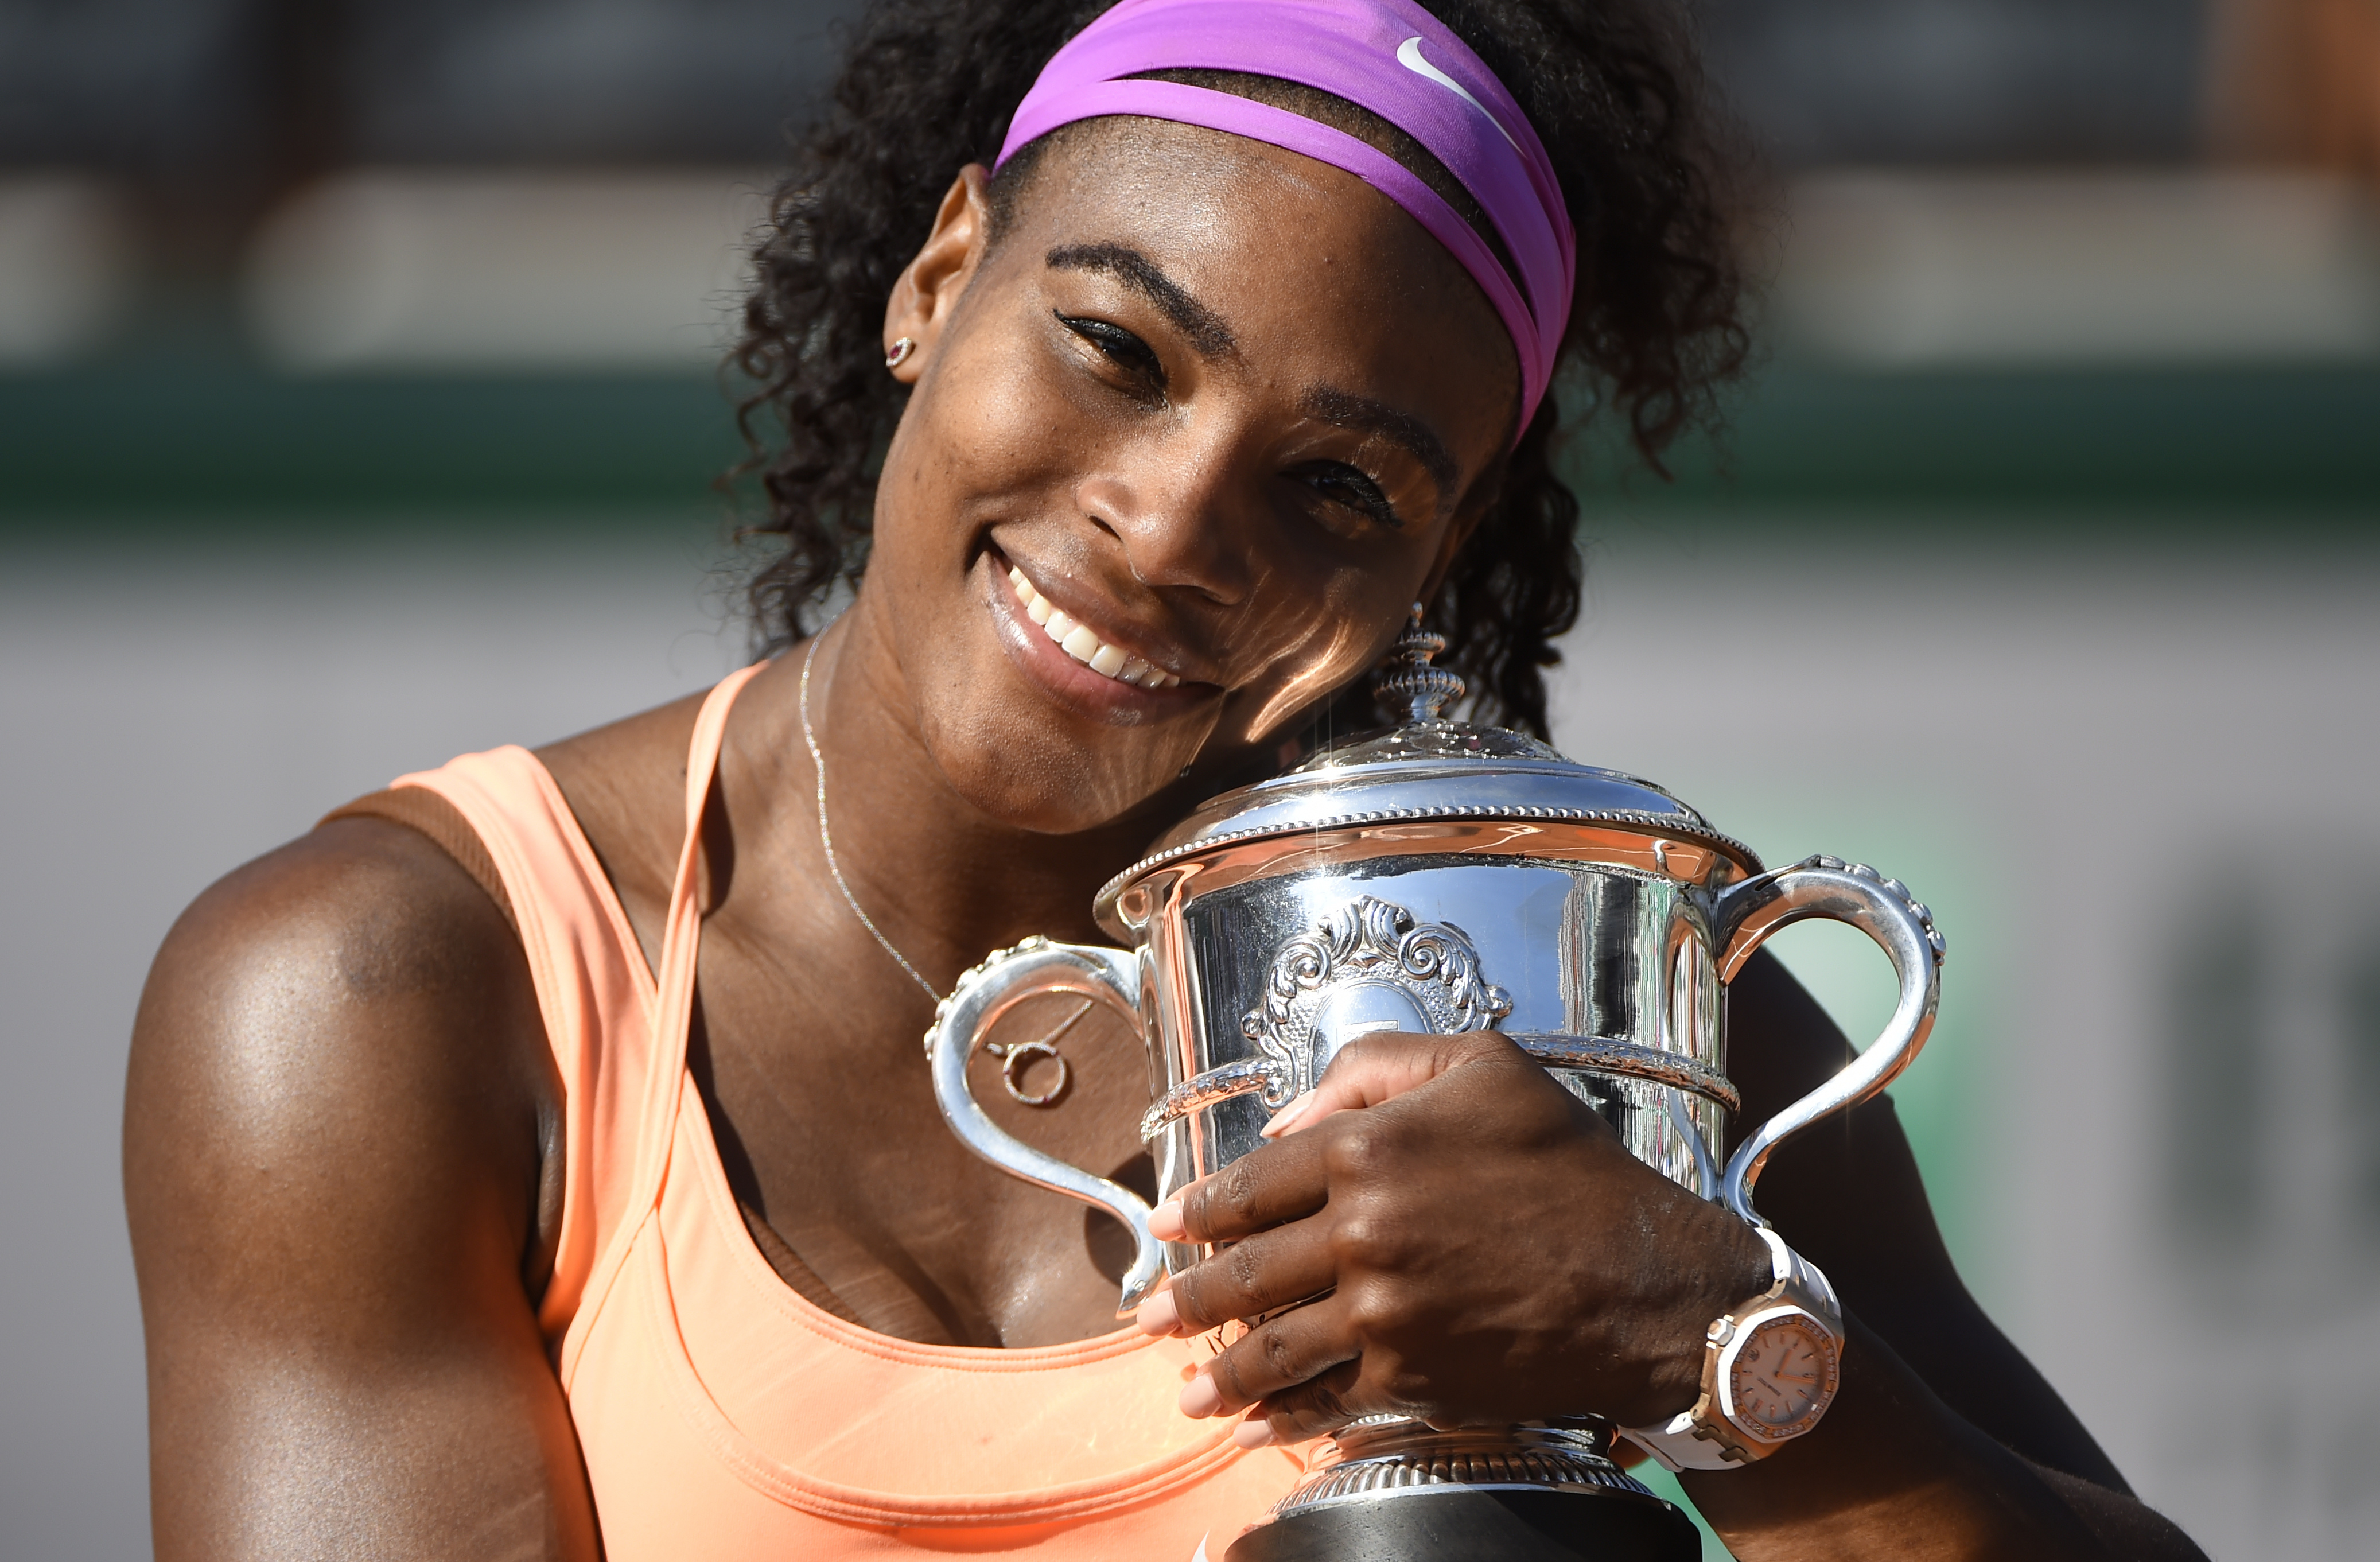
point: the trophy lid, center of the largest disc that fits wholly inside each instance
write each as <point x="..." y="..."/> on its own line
<point x="1427" y="768"/>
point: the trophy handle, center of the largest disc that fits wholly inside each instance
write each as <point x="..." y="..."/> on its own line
<point x="1743" y="919"/>
<point x="1005" y="979"/>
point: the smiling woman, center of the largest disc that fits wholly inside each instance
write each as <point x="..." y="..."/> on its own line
<point x="537" y="1157"/>
<point x="1613" y="95"/>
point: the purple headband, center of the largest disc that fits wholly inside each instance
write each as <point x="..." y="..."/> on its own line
<point x="1390" y="57"/>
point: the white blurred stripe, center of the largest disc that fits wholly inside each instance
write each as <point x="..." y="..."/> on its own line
<point x="412" y="269"/>
<point x="65" y="267"/>
<point x="1914" y="270"/>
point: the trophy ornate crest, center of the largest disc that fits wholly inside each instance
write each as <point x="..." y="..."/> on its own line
<point x="1442" y="877"/>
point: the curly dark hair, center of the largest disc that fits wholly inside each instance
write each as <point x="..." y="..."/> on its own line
<point x="930" y="86"/>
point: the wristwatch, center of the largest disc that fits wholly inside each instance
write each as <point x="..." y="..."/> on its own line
<point x="1770" y="1368"/>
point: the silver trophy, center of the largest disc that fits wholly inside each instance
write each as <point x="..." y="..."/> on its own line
<point x="1442" y="877"/>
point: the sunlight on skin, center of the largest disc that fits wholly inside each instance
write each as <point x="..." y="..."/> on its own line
<point x="1150" y="524"/>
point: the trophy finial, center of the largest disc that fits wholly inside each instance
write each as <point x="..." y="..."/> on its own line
<point x="1410" y="677"/>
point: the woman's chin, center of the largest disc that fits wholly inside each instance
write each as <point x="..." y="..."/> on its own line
<point x="1033" y="740"/>
<point x="1046" y="778"/>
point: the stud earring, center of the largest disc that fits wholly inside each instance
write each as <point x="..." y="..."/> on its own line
<point x="899" y="352"/>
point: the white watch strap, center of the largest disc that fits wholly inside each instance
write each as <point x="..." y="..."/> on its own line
<point x="1676" y="1444"/>
<point x="1793" y="1273"/>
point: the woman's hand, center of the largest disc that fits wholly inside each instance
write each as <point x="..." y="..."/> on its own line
<point x="1440" y="1231"/>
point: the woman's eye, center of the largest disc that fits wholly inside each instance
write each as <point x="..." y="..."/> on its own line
<point x="1120" y="348"/>
<point x="1346" y="488"/>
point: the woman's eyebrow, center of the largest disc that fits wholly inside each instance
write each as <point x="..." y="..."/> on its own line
<point x="1364" y="415"/>
<point x="1209" y="337"/>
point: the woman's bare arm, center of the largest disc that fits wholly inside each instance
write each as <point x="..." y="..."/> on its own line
<point x="337" y="1127"/>
<point x="1941" y="1415"/>
<point x="1848" y="1194"/>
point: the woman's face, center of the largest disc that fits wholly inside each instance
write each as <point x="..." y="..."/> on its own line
<point x="1227" y="409"/>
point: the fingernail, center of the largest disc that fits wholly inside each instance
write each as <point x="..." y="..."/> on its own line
<point x="1165" y="1221"/>
<point x="1200" y="1397"/>
<point x="1286" y="1119"/>
<point x="1253" y="1433"/>
<point x="1158" y="1314"/>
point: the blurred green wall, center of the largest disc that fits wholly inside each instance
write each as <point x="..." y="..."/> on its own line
<point x="203" y="434"/>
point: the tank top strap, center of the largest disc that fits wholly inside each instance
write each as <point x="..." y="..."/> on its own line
<point x="617" y="1029"/>
<point x="681" y="942"/>
<point x="594" y="991"/>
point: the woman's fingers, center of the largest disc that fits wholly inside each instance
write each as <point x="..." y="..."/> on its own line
<point x="1258" y="1275"/>
<point x="1157" y="1315"/>
<point x="1313" y="1408"/>
<point x="1379" y="1068"/>
<point x="1268" y="1186"/>
<point x="1281" y="1218"/>
<point x="1287" y="1179"/>
<point x="1276" y="1356"/>
<point x="1366" y="1072"/>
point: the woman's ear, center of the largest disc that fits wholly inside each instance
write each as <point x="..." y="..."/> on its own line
<point x="928" y="287"/>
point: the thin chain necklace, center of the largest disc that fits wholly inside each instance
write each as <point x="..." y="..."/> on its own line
<point x="826" y="839"/>
<point x="1013" y="1057"/>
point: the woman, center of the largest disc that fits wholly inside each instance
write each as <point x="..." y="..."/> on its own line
<point x="538" y="1157"/>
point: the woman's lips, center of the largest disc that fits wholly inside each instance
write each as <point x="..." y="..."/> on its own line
<point x="1080" y="642"/>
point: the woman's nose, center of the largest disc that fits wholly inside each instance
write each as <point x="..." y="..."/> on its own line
<point x="1183" y="512"/>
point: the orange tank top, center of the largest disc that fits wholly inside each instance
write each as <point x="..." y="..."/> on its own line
<point x="723" y="1415"/>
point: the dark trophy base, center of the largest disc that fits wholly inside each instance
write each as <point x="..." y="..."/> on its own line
<point x="1475" y="1524"/>
<point x="1394" y="1490"/>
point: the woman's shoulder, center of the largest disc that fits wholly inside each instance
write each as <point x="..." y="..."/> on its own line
<point x="359" y="955"/>
<point x="338" y="1053"/>
<point x="337" y="1137"/>
<point x="368" y="925"/>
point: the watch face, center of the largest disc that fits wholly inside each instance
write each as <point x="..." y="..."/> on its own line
<point x="1781" y="1376"/>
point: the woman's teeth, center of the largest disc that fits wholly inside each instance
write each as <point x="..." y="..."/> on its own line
<point x="1084" y="646"/>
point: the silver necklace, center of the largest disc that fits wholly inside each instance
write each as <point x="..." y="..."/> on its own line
<point x="1013" y="1057"/>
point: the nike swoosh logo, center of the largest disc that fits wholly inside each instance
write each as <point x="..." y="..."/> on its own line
<point x="1200" y="1554"/>
<point x="1409" y="55"/>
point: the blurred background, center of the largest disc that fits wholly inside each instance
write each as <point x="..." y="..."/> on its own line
<point x="360" y="404"/>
